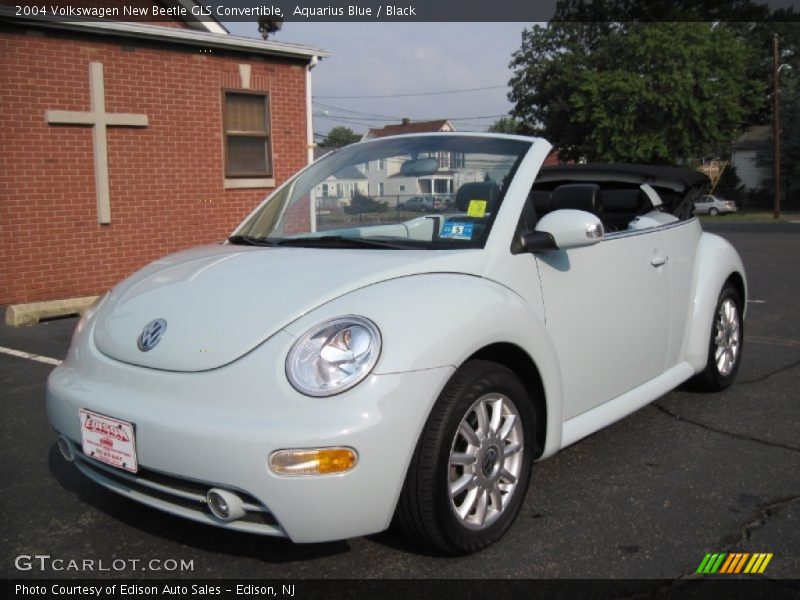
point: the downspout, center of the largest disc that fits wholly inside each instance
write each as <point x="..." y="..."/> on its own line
<point x="310" y="140"/>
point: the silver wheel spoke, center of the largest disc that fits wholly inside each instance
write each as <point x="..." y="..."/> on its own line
<point x="481" y="506"/>
<point x="465" y="482"/>
<point x="497" y="415"/>
<point x="469" y="434"/>
<point x="506" y="427"/>
<point x="462" y="459"/>
<point x="508" y="477"/>
<point x="466" y="508"/>
<point x="511" y="449"/>
<point x="497" y="499"/>
<point x="483" y="419"/>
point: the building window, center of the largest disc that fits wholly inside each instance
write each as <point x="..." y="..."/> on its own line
<point x="247" y="135"/>
<point x="402" y="188"/>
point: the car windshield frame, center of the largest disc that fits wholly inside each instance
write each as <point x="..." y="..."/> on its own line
<point x="487" y="163"/>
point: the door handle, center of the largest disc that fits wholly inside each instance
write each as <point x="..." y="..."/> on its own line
<point x="658" y="258"/>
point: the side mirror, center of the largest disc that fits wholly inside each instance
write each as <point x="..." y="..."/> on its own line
<point x="571" y="228"/>
<point x="560" y="230"/>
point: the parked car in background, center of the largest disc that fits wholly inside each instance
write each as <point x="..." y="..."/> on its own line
<point x="294" y="382"/>
<point x="422" y="204"/>
<point x="714" y="205"/>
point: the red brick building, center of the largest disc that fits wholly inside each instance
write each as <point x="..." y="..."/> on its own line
<point x="122" y="142"/>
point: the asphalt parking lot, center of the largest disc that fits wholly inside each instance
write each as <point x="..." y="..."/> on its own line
<point x="644" y="498"/>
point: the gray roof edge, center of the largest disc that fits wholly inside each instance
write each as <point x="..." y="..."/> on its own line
<point x="175" y="35"/>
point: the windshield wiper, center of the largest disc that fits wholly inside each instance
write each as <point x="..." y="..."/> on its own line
<point x="249" y="240"/>
<point x="341" y="241"/>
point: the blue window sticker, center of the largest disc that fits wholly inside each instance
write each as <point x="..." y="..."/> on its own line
<point x="457" y="231"/>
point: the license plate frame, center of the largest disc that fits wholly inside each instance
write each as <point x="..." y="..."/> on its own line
<point x="109" y="440"/>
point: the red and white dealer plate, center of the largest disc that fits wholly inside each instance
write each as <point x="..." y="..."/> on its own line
<point x="109" y="440"/>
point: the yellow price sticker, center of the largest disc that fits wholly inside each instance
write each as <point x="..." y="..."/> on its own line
<point x="476" y="208"/>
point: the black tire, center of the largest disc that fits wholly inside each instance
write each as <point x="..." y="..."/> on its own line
<point x="713" y="212"/>
<point x="712" y="379"/>
<point x="425" y="512"/>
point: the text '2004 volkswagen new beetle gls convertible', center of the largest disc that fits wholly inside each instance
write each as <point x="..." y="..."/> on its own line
<point x="339" y="364"/>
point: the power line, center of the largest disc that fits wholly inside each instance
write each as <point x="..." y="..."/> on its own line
<point x="328" y="115"/>
<point x="436" y="93"/>
<point x="356" y="112"/>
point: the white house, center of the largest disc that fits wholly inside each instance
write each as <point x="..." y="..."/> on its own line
<point x="743" y="155"/>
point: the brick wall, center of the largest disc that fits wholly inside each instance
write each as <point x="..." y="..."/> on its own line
<point x="166" y="180"/>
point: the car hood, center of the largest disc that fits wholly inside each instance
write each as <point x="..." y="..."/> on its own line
<point x="219" y="302"/>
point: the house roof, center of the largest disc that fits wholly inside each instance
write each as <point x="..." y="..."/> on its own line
<point x="349" y="172"/>
<point x="176" y="35"/>
<point x="210" y="24"/>
<point x="754" y="138"/>
<point x="410" y="127"/>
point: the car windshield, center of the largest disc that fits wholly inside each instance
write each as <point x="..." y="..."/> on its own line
<point x="414" y="192"/>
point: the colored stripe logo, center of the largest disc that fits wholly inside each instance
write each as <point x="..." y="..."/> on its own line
<point x="731" y="563"/>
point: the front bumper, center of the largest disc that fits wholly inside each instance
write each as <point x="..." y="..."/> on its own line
<point x="218" y="428"/>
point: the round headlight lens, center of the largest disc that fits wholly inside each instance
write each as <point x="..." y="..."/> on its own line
<point x="333" y="356"/>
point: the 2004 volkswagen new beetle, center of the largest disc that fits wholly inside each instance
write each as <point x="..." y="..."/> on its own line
<point x="337" y="366"/>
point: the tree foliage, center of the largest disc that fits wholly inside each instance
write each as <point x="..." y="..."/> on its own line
<point x="656" y="92"/>
<point x="504" y="125"/>
<point x="360" y="204"/>
<point x="340" y="136"/>
<point x="790" y="147"/>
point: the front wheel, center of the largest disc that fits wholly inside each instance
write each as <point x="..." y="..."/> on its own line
<point x="713" y="212"/>
<point x="725" y="344"/>
<point x="471" y="467"/>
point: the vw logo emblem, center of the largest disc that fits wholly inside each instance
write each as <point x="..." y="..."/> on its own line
<point x="151" y="334"/>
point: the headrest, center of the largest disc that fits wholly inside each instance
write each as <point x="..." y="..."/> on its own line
<point x="479" y="190"/>
<point x="577" y="196"/>
<point x="621" y="200"/>
<point x="540" y="200"/>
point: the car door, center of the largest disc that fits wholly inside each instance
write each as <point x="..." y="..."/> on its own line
<point x="606" y="307"/>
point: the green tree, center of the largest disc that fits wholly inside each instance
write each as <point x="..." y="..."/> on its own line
<point x="360" y="203"/>
<point x="504" y="125"/>
<point x="340" y="136"/>
<point x="790" y="146"/>
<point x="634" y="92"/>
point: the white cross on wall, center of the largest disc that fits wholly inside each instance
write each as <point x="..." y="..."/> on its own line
<point x="99" y="120"/>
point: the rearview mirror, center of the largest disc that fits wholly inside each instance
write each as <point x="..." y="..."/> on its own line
<point x="419" y="167"/>
<point x="571" y="228"/>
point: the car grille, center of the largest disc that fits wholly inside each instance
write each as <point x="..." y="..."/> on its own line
<point x="184" y="497"/>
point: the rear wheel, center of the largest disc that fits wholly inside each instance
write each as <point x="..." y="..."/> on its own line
<point x="725" y="343"/>
<point x="713" y="212"/>
<point x="472" y="464"/>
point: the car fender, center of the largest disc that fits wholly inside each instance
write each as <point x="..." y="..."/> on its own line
<point x="716" y="261"/>
<point x="435" y="320"/>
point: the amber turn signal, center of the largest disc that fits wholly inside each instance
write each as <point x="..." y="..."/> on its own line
<point x="313" y="461"/>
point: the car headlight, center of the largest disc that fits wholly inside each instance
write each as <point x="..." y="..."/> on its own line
<point x="333" y="356"/>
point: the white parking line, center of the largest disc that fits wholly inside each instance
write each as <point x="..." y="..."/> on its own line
<point x="29" y="356"/>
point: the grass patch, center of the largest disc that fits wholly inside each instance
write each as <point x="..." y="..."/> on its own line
<point x="752" y="216"/>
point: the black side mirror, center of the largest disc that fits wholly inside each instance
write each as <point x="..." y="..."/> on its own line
<point x="533" y="241"/>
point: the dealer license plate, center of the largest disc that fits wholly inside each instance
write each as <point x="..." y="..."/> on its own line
<point x="109" y="440"/>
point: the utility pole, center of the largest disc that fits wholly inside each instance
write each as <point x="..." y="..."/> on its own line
<point x="776" y="128"/>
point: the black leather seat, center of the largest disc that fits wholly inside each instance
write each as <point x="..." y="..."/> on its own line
<point x="577" y="196"/>
<point x="479" y="190"/>
<point x="621" y="206"/>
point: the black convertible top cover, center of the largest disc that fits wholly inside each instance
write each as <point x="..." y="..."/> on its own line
<point x="676" y="179"/>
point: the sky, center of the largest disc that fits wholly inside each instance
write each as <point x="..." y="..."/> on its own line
<point x="390" y="59"/>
